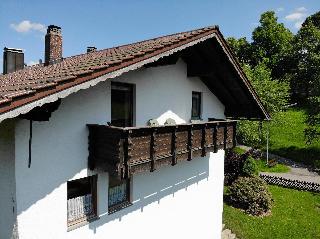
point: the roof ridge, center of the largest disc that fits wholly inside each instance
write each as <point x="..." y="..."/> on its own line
<point x="150" y="39"/>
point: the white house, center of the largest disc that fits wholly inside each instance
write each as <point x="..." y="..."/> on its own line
<point x="122" y="142"/>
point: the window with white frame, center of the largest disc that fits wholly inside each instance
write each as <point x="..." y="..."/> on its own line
<point x="82" y="200"/>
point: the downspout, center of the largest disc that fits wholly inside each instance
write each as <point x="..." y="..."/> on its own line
<point x="30" y="143"/>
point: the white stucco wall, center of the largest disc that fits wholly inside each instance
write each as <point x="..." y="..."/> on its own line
<point x="7" y="180"/>
<point x="183" y="201"/>
<point x="187" y="199"/>
<point x="166" y="92"/>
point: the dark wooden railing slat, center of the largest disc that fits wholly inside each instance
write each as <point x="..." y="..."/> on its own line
<point x="203" y="140"/>
<point x="234" y="136"/>
<point x="225" y="136"/>
<point x="190" y="139"/>
<point x="152" y="150"/>
<point x="173" y="146"/>
<point x="127" y="143"/>
<point x="215" y="146"/>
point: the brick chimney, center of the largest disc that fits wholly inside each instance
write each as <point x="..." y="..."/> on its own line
<point x="91" y="49"/>
<point x="53" y="45"/>
<point x="13" y="60"/>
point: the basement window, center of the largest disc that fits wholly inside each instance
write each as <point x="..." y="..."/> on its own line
<point x="118" y="194"/>
<point x="82" y="200"/>
<point x="196" y="106"/>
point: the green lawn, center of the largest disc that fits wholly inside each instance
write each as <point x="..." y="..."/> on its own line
<point x="295" y="215"/>
<point x="287" y="137"/>
<point x="278" y="168"/>
<point x="238" y="150"/>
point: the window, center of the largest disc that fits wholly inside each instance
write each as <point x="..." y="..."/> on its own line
<point x="122" y="104"/>
<point x="119" y="194"/>
<point x="82" y="200"/>
<point x="196" y="105"/>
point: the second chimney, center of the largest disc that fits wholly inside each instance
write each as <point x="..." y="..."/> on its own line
<point x="91" y="49"/>
<point x="13" y="60"/>
<point x="53" y="45"/>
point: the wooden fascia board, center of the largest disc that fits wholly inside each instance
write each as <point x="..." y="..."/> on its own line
<point x="233" y="60"/>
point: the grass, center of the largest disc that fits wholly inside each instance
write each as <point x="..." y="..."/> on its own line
<point x="278" y="168"/>
<point x="238" y="150"/>
<point x="287" y="137"/>
<point x="262" y="166"/>
<point x="295" y="215"/>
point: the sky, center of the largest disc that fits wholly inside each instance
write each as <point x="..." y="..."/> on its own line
<point x="110" y="23"/>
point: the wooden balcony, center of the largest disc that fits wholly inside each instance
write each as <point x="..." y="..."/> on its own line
<point x="126" y="151"/>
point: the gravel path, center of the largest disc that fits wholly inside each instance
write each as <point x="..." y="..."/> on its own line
<point x="301" y="174"/>
<point x="297" y="171"/>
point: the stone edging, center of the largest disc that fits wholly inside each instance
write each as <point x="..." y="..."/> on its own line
<point x="289" y="183"/>
<point x="227" y="233"/>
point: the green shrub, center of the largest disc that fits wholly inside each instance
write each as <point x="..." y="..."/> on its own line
<point x="251" y="194"/>
<point x="233" y="165"/>
<point x="250" y="167"/>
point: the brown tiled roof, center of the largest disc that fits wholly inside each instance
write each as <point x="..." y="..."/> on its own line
<point x="35" y="82"/>
<point x="38" y="82"/>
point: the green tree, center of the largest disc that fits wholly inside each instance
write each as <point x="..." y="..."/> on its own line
<point x="274" y="95"/>
<point x="306" y="81"/>
<point x="272" y="41"/>
<point x="242" y="49"/>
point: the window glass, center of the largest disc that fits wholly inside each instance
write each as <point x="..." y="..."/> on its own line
<point x="121" y="104"/>
<point x="81" y="199"/>
<point x="196" y="105"/>
<point x="118" y="192"/>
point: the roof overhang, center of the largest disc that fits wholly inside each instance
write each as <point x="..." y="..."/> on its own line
<point x="215" y="64"/>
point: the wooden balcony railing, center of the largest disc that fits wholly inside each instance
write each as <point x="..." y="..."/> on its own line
<point x="125" y="151"/>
